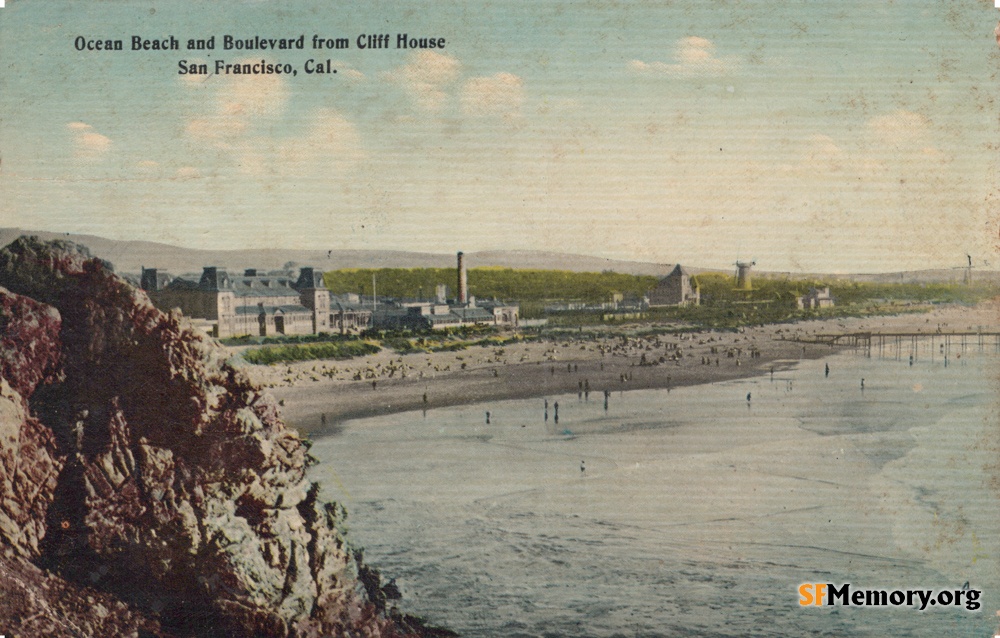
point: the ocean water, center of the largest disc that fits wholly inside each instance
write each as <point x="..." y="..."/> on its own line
<point x="691" y="512"/>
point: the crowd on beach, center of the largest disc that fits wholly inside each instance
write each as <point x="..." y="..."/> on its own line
<point x="602" y="359"/>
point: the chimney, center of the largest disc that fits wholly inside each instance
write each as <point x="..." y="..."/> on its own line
<point x="463" y="280"/>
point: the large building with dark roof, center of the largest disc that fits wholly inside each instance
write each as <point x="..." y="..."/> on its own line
<point x="248" y="304"/>
<point x="679" y="288"/>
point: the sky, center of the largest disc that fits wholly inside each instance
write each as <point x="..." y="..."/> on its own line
<point x="849" y="136"/>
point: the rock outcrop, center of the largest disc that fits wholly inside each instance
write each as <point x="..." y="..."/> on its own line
<point x="146" y="486"/>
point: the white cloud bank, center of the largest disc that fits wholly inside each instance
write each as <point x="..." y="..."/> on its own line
<point x="426" y="78"/>
<point x="88" y="143"/>
<point x="693" y="56"/>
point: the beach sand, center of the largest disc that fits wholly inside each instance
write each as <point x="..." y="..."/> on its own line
<point x="318" y="395"/>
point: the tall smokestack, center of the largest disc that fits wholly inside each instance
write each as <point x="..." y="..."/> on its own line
<point x="463" y="280"/>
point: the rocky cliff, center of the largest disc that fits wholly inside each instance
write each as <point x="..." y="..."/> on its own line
<point x="147" y="487"/>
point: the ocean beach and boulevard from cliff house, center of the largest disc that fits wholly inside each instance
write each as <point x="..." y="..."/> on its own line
<point x="499" y="319"/>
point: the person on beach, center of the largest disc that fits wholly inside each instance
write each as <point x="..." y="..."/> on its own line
<point x="322" y="420"/>
<point x="826" y="371"/>
<point x="583" y="468"/>
<point x="862" y="385"/>
<point x="487" y="417"/>
<point x="748" y="398"/>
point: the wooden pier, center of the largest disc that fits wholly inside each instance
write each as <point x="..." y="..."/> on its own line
<point x="897" y="341"/>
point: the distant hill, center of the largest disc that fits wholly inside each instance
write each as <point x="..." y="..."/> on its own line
<point x="131" y="256"/>
<point x="929" y="276"/>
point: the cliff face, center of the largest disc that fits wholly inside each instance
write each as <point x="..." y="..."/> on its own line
<point x="145" y="485"/>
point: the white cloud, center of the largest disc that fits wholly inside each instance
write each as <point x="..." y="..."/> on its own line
<point x="217" y="127"/>
<point x="239" y="102"/>
<point x="253" y="95"/>
<point x="500" y="94"/>
<point x="898" y="127"/>
<point x="88" y="143"/>
<point x="693" y="56"/>
<point x="824" y="155"/>
<point x="426" y="78"/>
<point x="331" y="144"/>
<point x="187" y="172"/>
<point x="331" y="139"/>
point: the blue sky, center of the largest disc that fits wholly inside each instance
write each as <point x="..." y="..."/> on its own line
<point x="813" y="136"/>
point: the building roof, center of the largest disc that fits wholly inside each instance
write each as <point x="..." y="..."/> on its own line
<point x="340" y="304"/>
<point x="262" y="286"/>
<point x="680" y="271"/>
<point x="473" y="314"/>
<point x="273" y="310"/>
<point x="250" y="284"/>
<point x="181" y="283"/>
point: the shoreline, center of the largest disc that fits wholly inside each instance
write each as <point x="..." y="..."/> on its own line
<point x="315" y="393"/>
<point x="304" y="407"/>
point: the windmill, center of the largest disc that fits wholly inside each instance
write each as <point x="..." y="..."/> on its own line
<point x="967" y="270"/>
<point x="743" y="274"/>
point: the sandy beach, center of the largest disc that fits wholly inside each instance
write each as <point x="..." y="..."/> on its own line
<point x="316" y="392"/>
